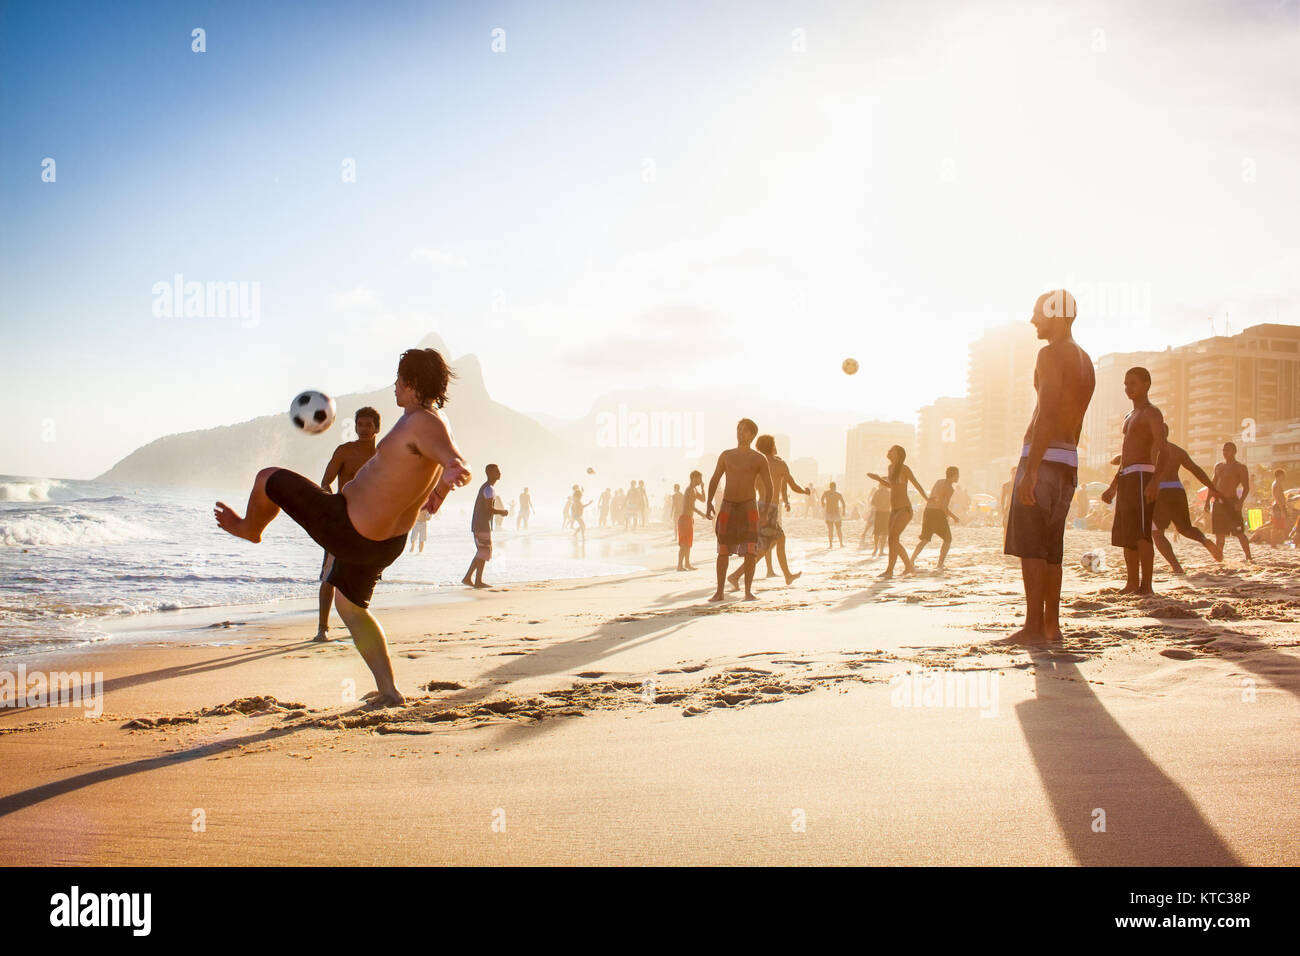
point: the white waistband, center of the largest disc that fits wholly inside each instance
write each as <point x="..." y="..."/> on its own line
<point x="1141" y="466"/>
<point x="1172" y="484"/>
<point x="1058" y="452"/>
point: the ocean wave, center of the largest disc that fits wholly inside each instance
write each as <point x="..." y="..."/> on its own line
<point x="65" y="527"/>
<point x="35" y="489"/>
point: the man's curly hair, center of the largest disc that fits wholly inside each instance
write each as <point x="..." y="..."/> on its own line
<point x="427" y="372"/>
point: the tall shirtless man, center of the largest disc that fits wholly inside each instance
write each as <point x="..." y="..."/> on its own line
<point x="343" y="466"/>
<point x="1049" y="465"/>
<point x="1142" y="458"/>
<point x="1171" y="504"/>
<point x="1233" y="479"/>
<point x="771" y="535"/>
<point x="737" y="525"/>
<point x="365" y="526"/>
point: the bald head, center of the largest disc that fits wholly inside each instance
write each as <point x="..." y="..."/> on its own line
<point x="1057" y="304"/>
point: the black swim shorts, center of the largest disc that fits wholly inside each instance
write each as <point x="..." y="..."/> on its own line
<point x="1132" y="523"/>
<point x="934" y="522"/>
<point x="358" y="561"/>
<point x="1226" y="518"/>
<point x="1171" y="508"/>
<point x="1038" y="530"/>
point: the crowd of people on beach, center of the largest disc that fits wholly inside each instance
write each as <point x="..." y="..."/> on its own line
<point x="388" y="491"/>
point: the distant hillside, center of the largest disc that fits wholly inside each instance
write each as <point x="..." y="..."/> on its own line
<point x="226" y="459"/>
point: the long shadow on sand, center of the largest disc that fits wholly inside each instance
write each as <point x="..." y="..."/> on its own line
<point x="185" y="670"/>
<point x="1087" y="762"/>
<point x="48" y="791"/>
<point x="865" y="596"/>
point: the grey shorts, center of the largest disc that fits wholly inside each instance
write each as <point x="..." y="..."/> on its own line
<point x="1038" y="530"/>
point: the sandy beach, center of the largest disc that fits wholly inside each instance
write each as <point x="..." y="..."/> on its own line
<point x="625" y="720"/>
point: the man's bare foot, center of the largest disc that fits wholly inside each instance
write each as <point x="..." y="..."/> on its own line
<point x="1215" y="551"/>
<point x="480" y="584"/>
<point x="716" y="597"/>
<point x="885" y="575"/>
<point x="389" y="698"/>
<point x="1145" y="590"/>
<point x="1053" y="635"/>
<point x="749" y="596"/>
<point x="466" y="581"/>
<point x="1129" y="589"/>
<point x="791" y="578"/>
<point x="690" y="567"/>
<point x="735" y="584"/>
<point x="232" y="523"/>
<point x="322" y="636"/>
<point x="1023" y="637"/>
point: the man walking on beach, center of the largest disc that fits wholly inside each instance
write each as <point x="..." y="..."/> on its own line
<point x="771" y="535"/>
<point x="1233" y="479"/>
<point x="737" y="525"/>
<point x="934" y="519"/>
<point x="1171" y="505"/>
<point x="1141" y="459"/>
<point x="833" y="512"/>
<point x="480" y="525"/>
<point x="525" y="510"/>
<point x="1049" y="461"/>
<point x="364" y="526"/>
<point x="344" y="464"/>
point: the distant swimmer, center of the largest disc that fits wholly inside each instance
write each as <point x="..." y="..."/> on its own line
<point x="1171" y="505"/>
<point x="344" y="464"/>
<point x="833" y="515"/>
<point x="1134" y="486"/>
<point x="877" y="522"/>
<point x="480" y="526"/>
<point x="900" y="506"/>
<point x="934" y="520"/>
<point x="364" y="526"/>
<point x="575" y="509"/>
<point x="771" y="533"/>
<point x="1049" y="463"/>
<point x="603" y="504"/>
<point x="737" y="524"/>
<point x="686" y="520"/>
<point x="525" y="510"/>
<point x="420" y="533"/>
<point x="1232" y="478"/>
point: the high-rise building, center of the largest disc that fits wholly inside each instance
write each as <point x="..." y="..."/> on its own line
<point x="938" y="437"/>
<point x="1226" y="388"/>
<point x="1000" y="402"/>
<point x="865" y="451"/>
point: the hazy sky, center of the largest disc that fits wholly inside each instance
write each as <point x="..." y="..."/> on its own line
<point x="627" y="194"/>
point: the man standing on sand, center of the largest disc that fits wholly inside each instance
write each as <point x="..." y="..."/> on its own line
<point x="575" y="509"/>
<point x="525" y="510"/>
<point x="364" y="526"/>
<point x="480" y="525"/>
<point x="1141" y="459"/>
<point x="1049" y="462"/>
<point x="344" y="464"/>
<point x="1171" y="505"/>
<point x="833" y="512"/>
<point x="878" y="522"/>
<point x="1233" y="479"/>
<point x="420" y="533"/>
<point x="934" y="520"/>
<point x="604" y="507"/>
<point x="737" y="526"/>
<point x="770" y="533"/>
<point x="686" y="520"/>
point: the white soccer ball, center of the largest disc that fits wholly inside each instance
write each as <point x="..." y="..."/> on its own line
<point x="1093" y="561"/>
<point x="312" y="411"/>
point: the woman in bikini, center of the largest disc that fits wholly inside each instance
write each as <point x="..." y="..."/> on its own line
<point x="900" y="513"/>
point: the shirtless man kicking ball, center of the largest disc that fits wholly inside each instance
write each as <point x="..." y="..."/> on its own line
<point x="737" y="525"/>
<point x="365" y="526"/>
<point x="1049" y="466"/>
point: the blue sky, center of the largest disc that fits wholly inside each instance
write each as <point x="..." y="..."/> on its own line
<point x="628" y="194"/>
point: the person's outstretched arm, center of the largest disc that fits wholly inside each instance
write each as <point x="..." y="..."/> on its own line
<point x="713" y="487"/>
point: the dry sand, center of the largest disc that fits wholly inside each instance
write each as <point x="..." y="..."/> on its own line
<point x="626" y="720"/>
